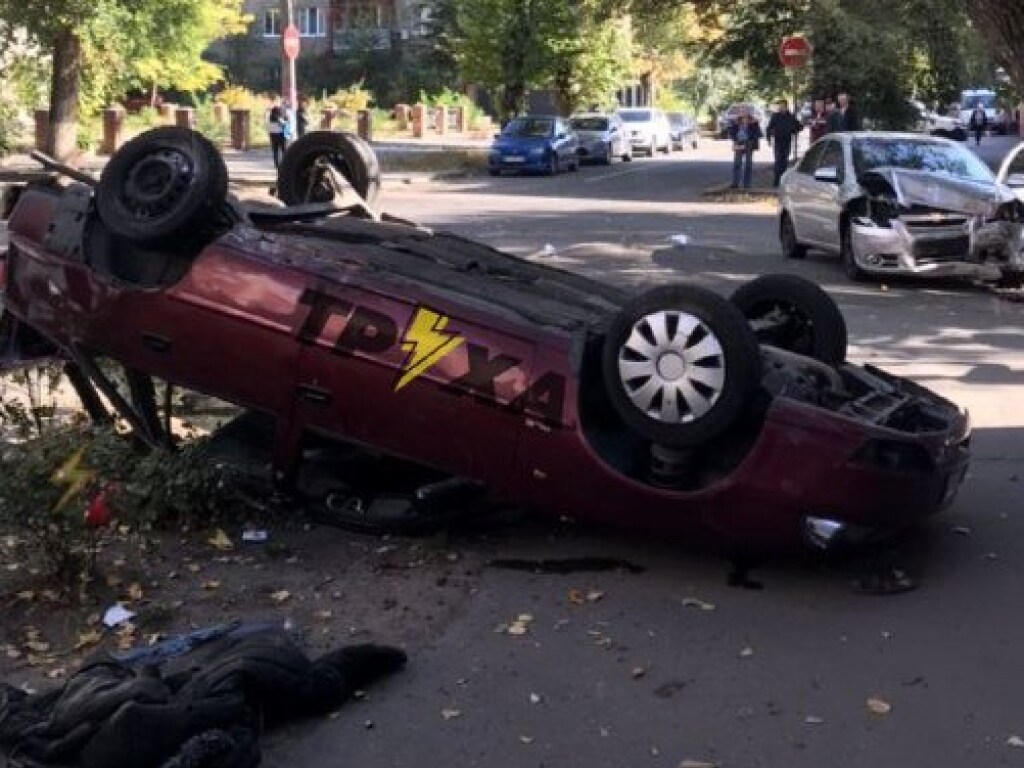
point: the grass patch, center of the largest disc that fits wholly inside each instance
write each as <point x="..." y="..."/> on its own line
<point x="434" y="161"/>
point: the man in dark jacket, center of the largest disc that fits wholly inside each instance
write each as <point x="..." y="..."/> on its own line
<point x="978" y="122"/>
<point x="782" y="129"/>
<point x="745" y="135"/>
<point x="845" y="117"/>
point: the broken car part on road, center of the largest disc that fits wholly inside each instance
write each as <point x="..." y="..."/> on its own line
<point x="674" y="411"/>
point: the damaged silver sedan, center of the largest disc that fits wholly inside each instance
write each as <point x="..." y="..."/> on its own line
<point x="894" y="203"/>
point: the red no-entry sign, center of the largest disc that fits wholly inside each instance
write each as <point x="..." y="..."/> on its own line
<point x="794" y="51"/>
<point x="290" y="41"/>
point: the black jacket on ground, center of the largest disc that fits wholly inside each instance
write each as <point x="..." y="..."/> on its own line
<point x="201" y="710"/>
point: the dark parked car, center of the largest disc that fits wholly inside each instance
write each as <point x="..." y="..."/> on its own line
<point x="535" y="143"/>
<point x="674" y="410"/>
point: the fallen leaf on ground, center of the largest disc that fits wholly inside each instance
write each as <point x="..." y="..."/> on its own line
<point x="220" y="541"/>
<point x="450" y="714"/>
<point x="212" y="584"/>
<point x="281" y="596"/>
<point x="194" y="567"/>
<point x="37" y="646"/>
<point x="53" y="674"/>
<point x="879" y="706"/>
<point x="135" y="592"/>
<point x="638" y="672"/>
<point x="87" y="639"/>
<point x="575" y="597"/>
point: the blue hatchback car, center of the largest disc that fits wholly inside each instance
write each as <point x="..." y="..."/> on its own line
<point x="543" y="143"/>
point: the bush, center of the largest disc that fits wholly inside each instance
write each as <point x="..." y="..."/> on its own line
<point x="351" y="99"/>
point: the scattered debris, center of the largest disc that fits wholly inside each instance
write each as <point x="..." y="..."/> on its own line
<point x="594" y="596"/>
<point x="521" y="625"/>
<point x="116" y="615"/>
<point x="697" y="764"/>
<point x="568" y="565"/>
<point x="281" y="596"/>
<point x="450" y="714"/>
<point x="961" y="530"/>
<point x="526" y="739"/>
<point x="878" y="706"/>
<point x="220" y="541"/>
<point x="814" y="720"/>
<point x="255" y="536"/>
<point x="680" y="241"/>
<point x="638" y="672"/>
<point x="746" y="653"/>
<point x="535" y="698"/>
<point x="1015" y="741"/>
<point x="693" y="602"/>
<point x="890" y="581"/>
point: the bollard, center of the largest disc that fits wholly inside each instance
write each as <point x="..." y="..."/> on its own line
<point x="364" y="124"/>
<point x="241" y="123"/>
<point x="42" y="119"/>
<point x="460" y="119"/>
<point x="441" y="120"/>
<point x="167" y="112"/>
<point x="402" y="116"/>
<point x="220" y="113"/>
<point x="113" y="129"/>
<point x="185" y="117"/>
<point x="327" y="118"/>
<point x="419" y="118"/>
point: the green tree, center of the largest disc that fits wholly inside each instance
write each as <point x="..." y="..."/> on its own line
<point x="1001" y="24"/>
<point x="108" y="43"/>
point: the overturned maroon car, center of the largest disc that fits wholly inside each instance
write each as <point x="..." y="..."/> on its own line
<point x="675" y="411"/>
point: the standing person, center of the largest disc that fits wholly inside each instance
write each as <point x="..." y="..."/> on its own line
<point x="302" y="117"/>
<point x="978" y="122"/>
<point x="746" y="135"/>
<point x="845" y="116"/>
<point x="276" y="125"/>
<point x="819" y="120"/>
<point x="782" y="130"/>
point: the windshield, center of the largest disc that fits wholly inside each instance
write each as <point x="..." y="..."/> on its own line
<point x="589" y="123"/>
<point x="949" y="159"/>
<point x="971" y="99"/>
<point x="530" y="127"/>
<point x="636" y="115"/>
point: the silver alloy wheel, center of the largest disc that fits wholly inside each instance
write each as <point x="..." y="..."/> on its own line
<point x="672" y="367"/>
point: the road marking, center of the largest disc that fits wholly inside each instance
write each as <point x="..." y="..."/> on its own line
<point x="613" y="174"/>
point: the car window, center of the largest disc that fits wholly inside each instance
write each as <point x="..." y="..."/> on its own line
<point x="810" y="161"/>
<point x="938" y="157"/>
<point x="530" y="127"/>
<point x="636" y="115"/>
<point x="589" y="123"/>
<point x="832" y="157"/>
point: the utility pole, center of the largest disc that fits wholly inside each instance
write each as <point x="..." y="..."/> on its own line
<point x="289" y="89"/>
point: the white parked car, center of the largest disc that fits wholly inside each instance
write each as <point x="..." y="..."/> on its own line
<point x="903" y="203"/>
<point x="648" y="130"/>
<point x="931" y="122"/>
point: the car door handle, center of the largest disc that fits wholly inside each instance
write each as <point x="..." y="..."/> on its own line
<point x="155" y="343"/>
<point x="315" y="394"/>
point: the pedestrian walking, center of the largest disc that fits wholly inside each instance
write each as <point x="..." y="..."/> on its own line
<point x="819" y="120"/>
<point x="783" y="128"/>
<point x="845" y="117"/>
<point x="302" y="117"/>
<point x="746" y="135"/>
<point x="978" y="122"/>
<point x="276" y="125"/>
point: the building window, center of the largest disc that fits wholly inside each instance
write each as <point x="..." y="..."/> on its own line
<point x="364" y="15"/>
<point x="272" y="22"/>
<point x="311" y="22"/>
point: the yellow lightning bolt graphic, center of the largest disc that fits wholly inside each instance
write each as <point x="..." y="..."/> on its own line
<point x="72" y="475"/>
<point x="426" y="343"/>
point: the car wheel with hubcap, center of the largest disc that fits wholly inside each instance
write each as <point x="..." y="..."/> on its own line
<point x="847" y="255"/>
<point x="792" y="313"/>
<point x="791" y="247"/>
<point x="680" y="364"/>
<point x="161" y="185"/>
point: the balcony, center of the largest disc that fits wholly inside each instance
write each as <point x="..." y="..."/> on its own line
<point x="366" y="38"/>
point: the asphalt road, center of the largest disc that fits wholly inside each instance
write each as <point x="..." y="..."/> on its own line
<point x="774" y="677"/>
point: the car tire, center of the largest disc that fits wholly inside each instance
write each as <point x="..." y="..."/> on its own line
<point x="627" y="156"/>
<point x="163" y="184"/>
<point x="680" y="365"/>
<point x="795" y="314"/>
<point x="494" y="171"/>
<point x="300" y="181"/>
<point x="846" y="256"/>
<point x="574" y="164"/>
<point x="694" y="144"/>
<point x="791" y="247"/>
<point x="552" y="169"/>
<point x="609" y="154"/>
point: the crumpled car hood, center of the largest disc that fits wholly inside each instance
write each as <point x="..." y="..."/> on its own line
<point x="935" y="190"/>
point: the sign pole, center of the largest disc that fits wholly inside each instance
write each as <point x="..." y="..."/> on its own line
<point x="289" y="89"/>
<point x="796" y="112"/>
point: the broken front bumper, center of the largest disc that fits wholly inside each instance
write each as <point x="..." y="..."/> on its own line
<point x="948" y="247"/>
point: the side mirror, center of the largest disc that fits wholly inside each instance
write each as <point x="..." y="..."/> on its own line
<point x="828" y="174"/>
